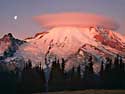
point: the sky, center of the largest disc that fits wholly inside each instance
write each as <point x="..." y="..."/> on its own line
<point x="24" y="26"/>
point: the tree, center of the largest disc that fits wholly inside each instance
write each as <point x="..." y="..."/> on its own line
<point x="56" y="76"/>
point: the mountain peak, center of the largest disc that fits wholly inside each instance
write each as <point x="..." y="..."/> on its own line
<point x="7" y="37"/>
<point x="9" y="43"/>
<point x="10" y="35"/>
<point x="65" y="42"/>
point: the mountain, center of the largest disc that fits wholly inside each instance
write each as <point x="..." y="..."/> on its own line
<point x="73" y="44"/>
<point x="70" y="42"/>
<point x="9" y="45"/>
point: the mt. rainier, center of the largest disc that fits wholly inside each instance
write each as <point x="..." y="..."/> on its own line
<point x="72" y="43"/>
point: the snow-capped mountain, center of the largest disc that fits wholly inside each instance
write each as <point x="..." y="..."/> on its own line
<point x="73" y="44"/>
<point x="9" y="45"/>
<point x="67" y="42"/>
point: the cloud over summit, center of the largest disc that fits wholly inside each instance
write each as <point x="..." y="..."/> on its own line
<point x="76" y="19"/>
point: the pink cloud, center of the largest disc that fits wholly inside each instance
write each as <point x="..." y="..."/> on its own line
<point x="76" y="19"/>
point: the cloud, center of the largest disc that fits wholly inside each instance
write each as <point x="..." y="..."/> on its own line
<point x="76" y="19"/>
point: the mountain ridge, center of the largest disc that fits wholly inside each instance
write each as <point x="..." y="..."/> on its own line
<point x="70" y="43"/>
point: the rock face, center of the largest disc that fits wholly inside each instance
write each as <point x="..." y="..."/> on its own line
<point x="9" y="45"/>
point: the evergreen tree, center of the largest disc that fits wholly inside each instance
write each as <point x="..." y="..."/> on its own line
<point x="56" y="77"/>
<point x="63" y="64"/>
<point x="102" y="69"/>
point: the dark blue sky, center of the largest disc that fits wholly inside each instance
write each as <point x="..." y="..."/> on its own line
<point x="25" y="10"/>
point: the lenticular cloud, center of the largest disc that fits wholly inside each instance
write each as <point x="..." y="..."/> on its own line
<point x="76" y="19"/>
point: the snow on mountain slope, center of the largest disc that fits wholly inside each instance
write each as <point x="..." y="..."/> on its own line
<point x="37" y="36"/>
<point x="61" y="41"/>
<point x="111" y="39"/>
<point x="73" y="44"/>
<point x="65" y="42"/>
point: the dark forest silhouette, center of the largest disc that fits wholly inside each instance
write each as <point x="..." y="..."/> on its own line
<point x="33" y="79"/>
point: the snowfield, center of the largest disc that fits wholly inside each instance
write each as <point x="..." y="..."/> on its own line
<point x="69" y="43"/>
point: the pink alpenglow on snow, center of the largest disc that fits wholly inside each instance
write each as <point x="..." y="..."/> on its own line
<point x="76" y="19"/>
<point x="72" y="37"/>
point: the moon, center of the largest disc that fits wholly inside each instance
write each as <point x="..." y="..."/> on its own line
<point x="15" y="17"/>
